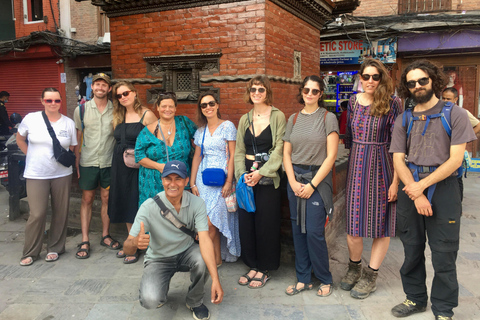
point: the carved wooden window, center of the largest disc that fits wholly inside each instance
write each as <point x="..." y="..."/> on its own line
<point x="181" y="74"/>
<point x="419" y="6"/>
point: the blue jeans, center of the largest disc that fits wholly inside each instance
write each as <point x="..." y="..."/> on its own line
<point x="310" y="247"/>
<point x="157" y="274"/>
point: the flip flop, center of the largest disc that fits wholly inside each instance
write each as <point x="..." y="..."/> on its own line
<point x="135" y="256"/>
<point x="80" y="249"/>
<point x="322" y="285"/>
<point x="112" y="244"/>
<point x="51" y="259"/>
<point x="263" y="279"/>
<point x="28" y="263"/>
<point x="306" y="286"/>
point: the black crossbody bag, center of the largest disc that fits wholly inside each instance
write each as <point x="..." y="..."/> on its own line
<point x="63" y="156"/>
<point x="167" y="214"/>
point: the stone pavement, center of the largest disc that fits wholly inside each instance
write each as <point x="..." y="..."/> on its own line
<point x="102" y="287"/>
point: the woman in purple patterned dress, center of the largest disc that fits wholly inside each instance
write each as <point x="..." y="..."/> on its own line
<point x="371" y="183"/>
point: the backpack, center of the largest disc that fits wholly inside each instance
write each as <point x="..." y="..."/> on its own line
<point x="82" y="116"/>
<point x="445" y="117"/>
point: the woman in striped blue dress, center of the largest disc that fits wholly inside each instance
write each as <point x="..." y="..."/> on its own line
<point x="372" y="186"/>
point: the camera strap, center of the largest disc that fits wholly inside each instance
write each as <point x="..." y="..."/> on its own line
<point x="254" y="140"/>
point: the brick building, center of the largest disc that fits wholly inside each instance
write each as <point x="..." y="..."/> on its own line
<point x="446" y="32"/>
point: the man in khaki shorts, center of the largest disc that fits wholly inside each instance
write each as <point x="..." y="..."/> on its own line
<point x="94" y="123"/>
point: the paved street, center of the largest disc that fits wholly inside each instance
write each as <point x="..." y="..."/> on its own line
<point x="104" y="288"/>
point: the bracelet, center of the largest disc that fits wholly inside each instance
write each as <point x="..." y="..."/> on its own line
<point x="311" y="184"/>
<point x="228" y="181"/>
<point x="194" y="186"/>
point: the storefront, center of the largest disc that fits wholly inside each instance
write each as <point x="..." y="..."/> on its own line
<point x="458" y="53"/>
<point x="340" y="61"/>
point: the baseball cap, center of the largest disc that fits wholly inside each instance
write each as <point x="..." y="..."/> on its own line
<point x="102" y="76"/>
<point x="175" y="166"/>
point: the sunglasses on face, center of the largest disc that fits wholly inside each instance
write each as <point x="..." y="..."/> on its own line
<point x="207" y="104"/>
<point x="307" y="91"/>
<point x="125" y="94"/>
<point x="52" y="101"/>
<point x="375" y="77"/>
<point x="260" y="90"/>
<point x="413" y="83"/>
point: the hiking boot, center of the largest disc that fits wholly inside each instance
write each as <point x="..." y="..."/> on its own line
<point x="443" y="318"/>
<point x="366" y="285"/>
<point x="200" y="313"/>
<point x="354" y="273"/>
<point x="406" y="308"/>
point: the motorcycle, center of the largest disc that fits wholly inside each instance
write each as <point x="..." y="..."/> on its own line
<point x="7" y="144"/>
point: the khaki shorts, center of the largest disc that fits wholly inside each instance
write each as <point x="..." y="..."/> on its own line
<point x="91" y="177"/>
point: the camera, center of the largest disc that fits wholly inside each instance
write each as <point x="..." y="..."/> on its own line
<point x="262" y="157"/>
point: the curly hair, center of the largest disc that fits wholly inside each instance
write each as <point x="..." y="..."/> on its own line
<point x="260" y="80"/>
<point x="434" y="72"/>
<point x="201" y="119"/>
<point x="118" y="109"/>
<point x="321" y="85"/>
<point x="383" y="93"/>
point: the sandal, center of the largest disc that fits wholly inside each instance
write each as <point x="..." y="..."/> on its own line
<point x="55" y="258"/>
<point x="324" y="286"/>
<point x="135" y="258"/>
<point x="306" y="286"/>
<point x="114" y="244"/>
<point x="263" y="279"/>
<point x="27" y="263"/>
<point x="246" y="276"/>
<point x="121" y="254"/>
<point x="80" y="249"/>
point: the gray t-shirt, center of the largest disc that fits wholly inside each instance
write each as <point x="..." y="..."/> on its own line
<point x="433" y="148"/>
<point x="166" y="240"/>
<point x="309" y="136"/>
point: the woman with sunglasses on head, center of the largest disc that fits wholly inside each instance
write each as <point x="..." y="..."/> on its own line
<point x="372" y="185"/>
<point x="258" y="155"/>
<point x="169" y="138"/>
<point x="214" y="148"/>
<point x="309" y="154"/>
<point x="46" y="177"/>
<point x="129" y="118"/>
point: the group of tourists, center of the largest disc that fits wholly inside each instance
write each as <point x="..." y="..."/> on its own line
<point x="401" y="180"/>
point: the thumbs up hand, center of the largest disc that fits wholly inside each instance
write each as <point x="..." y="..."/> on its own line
<point x="143" y="239"/>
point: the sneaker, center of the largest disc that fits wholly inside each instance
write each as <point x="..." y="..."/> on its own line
<point x="200" y="313"/>
<point x="443" y="318"/>
<point x="406" y="308"/>
<point x="354" y="273"/>
<point x="366" y="285"/>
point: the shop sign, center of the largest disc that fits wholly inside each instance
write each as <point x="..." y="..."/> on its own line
<point x="353" y="52"/>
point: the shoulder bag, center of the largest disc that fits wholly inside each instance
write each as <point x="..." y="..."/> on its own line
<point x="128" y="152"/>
<point x="63" y="156"/>
<point x="214" y="177"/>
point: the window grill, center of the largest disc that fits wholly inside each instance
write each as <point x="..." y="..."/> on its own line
<point x="184" y="81"/>
<point x="423" y="6"/>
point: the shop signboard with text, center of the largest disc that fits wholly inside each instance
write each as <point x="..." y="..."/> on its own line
<point x="353" y="52"/>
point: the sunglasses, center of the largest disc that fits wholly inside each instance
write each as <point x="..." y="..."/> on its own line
<point x="412" y="83"/>
<point x="125" y="94"/>
<point x="260" y="90"/>
<point x="307" y="91"/>
<point x="206" y="104"/>
<point x="52" y="100"/>
<point x="375" y="77"/>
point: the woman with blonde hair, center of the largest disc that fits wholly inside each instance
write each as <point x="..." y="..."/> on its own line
<point x="372" y="185"/>
<point x="129" y="118"/>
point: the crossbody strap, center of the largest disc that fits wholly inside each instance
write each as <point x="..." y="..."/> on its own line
<point x="167" y="214"/>
<point x="50" y="129"/>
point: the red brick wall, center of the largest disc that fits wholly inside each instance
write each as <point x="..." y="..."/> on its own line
<point x="22" y="29"/>
<point x="241" y="31"/>
<point x="375" y="8"/>
<point x="84" y="17"/>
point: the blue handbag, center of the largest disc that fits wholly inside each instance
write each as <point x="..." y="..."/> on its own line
<point x="213" y="177"/>
<point x="245" y="197"/>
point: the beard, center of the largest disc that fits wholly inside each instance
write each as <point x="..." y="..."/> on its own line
<point x="419" y="97"/>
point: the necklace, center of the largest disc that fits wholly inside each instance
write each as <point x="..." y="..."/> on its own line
<point x="304" y="112"/>
<point x="263" y="114"/>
